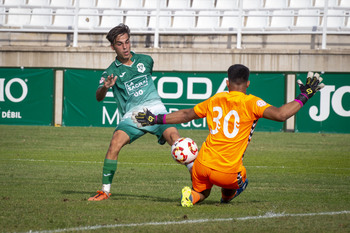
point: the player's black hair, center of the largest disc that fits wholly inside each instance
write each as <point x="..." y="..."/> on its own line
<point x="238" y="74"/>
<point x="116" y="31"/>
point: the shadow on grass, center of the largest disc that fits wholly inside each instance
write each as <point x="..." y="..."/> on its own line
<point x="124" y="196"/>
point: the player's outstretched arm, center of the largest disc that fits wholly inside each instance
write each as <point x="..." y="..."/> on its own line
<point x="146" y="117"/>
<point x="102" y="91"/>
<point x="313" y="84"/>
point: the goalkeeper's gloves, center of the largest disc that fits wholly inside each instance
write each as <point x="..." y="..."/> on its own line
<point x="147" y="118"/>
<point x="313" y="84"/>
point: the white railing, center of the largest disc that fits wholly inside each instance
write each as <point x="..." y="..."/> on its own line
<point x="92" y="22"/>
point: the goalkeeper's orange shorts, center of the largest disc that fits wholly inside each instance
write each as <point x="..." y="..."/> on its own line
<point x="204" y="178"/>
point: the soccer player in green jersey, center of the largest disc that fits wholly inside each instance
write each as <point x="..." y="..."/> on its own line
<point x="130" y="77"/>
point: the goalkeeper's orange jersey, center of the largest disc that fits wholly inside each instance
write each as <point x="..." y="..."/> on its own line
<point x="231" y="117"/>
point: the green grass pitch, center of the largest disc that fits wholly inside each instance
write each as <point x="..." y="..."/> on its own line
<point x="297" y="183"/>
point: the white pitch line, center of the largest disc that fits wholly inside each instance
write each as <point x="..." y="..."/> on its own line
<point x="266" y="216"/>
<point x="157" y="164"/>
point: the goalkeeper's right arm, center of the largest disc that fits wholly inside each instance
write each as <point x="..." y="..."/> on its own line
<point x="146" y="117"/>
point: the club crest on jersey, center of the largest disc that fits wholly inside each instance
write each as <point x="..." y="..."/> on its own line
<point x="261" y="103"/>
<point x="141" y="67"/>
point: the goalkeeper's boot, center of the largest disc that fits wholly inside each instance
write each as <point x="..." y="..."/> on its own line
<point x="186" y="197"/>
<point x="100" y="196"/>
<point x="238" y="191"/>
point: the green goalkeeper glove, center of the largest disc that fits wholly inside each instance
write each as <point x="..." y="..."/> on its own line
<point x="313" y="84"/>
<point x="147" y="118"/>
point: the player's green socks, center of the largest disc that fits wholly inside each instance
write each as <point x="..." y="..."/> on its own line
<point x="109" y="168"/>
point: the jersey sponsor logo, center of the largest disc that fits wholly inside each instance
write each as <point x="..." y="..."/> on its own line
<point x="141" y="67"/>
<point x="122" y="75"/>
<point x="260" y="103"/>
<point x="102" y="80"/>
<point x="135" y="85"/>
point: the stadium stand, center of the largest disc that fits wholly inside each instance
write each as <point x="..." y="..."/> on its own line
<point x="61" y="3"/>
<point x="202" y="17"/>
<point x="257" y="20"/>
<point x="107" y="4"/>
<point x="203" y="4"/>
<point x="136" y="20"/>
<point x="227" y="4"/>
<point x="152" y="4"/>
<point x="164" y="20"/>
<point x="110" y="18"/>
<point x="231" y="21"/>
<point x="88" y="18"/>
<point x="63" y="19"/>
<point x="282" y="20"/>
<point x="271" y="4"/>
<point x="131" y="4"/>
<point x="38" y="3"/>
<point x="41" y="18"/>
<point x="208" y="20"/>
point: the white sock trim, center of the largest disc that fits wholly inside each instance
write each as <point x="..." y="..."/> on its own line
<point x="106" y="188"/>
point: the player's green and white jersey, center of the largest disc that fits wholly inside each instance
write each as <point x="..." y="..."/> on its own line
<point x="134" y="88"/>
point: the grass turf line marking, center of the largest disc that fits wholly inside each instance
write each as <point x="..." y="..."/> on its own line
<point x="266" y="216"/>
<point x="156" y="164"/>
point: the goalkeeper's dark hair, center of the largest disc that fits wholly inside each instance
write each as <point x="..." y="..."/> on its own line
<point x="238" y="74"/>
<point x="116" y="31"/>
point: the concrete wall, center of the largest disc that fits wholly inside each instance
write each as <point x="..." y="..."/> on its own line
<point x="181" y="59"/>
<point x="261" y="52"/>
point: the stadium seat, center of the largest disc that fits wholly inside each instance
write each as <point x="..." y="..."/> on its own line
<point x="36" y="3"/>
<point x="86" y="3"/>
<point x="179" y="4"/>
<point x="344" y="3"/>
<point x="108" y="4"/>
<point x="111" y="18"/>
<point x="300" y="3"/>
<point x="231" y="20"/>
<point x="61" y="3"/>
<point x="152" y="4"/>
<point x="335" y="19"/>
<point x="2" y="16"/>
<point x="41" y="17"/>
<point x="252" y="4"/>
<point x="281" y="20"/>
<point x="88" y="18"/>
<point x="331" y="3"/>
<point x="136" y="20"/>
<point x="203" y="4"/>
<point x="208" y="20"/>
<point x="164" y="19"/>
<point x="131" y="4"/>
<point x="64" y="18"/>
<point x="18" y="17"/>
<point x="307" y="19"/>
<point x="184" y="20"/>
<point x="273" y="4"/>
<point x="227" y="4"/>
<point x="14" y="2"/>
<point x="257" y="20"/>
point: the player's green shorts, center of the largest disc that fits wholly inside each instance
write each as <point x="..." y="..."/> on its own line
<point x="131" y="129"/>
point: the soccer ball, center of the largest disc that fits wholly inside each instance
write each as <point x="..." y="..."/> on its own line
<point x="184" y="150"/>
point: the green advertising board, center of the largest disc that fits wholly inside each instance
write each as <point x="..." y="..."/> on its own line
<point x="329" y="110"/>
<point x="178" y="90"/>
<point x="26" y="96"/>
<point x="80" y="107"/>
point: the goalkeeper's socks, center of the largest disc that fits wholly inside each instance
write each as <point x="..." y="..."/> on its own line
<point x="109" y="168"/>
<point x="195" y="196"/>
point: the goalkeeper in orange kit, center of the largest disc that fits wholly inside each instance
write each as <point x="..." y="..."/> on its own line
<point x="232" y="117"/>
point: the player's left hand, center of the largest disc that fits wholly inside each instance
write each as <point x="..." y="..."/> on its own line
<point x="144" y="118"/>
<point x="313" y="85"/>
